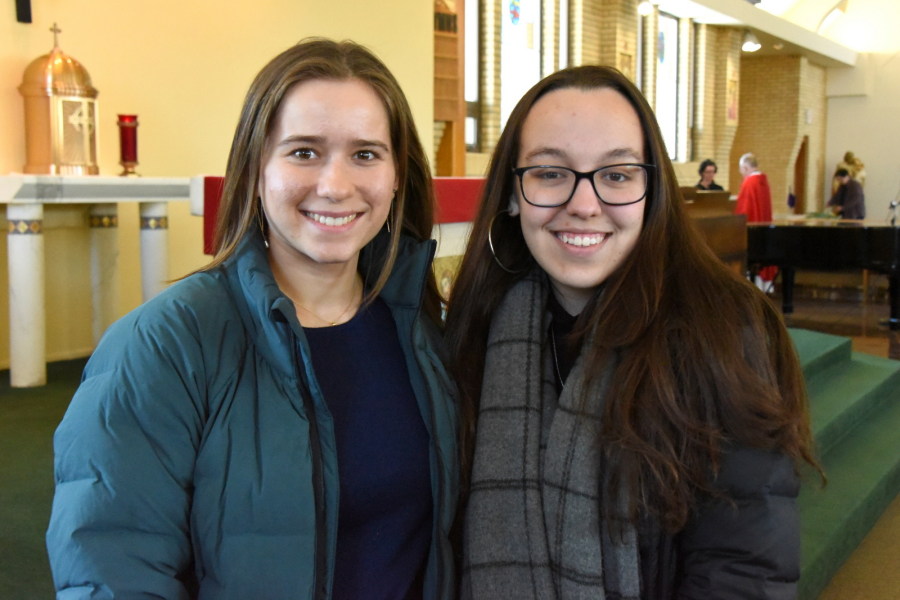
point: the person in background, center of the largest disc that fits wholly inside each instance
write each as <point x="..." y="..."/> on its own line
<point x="755" y="201"/>
<point x="853" y="165"/>
<point x="708" y="170"/>
<point x="280" y="424"/>
<point x="849" y="201"/>
<point x="640" y="409"/>
<point x="755" y="197"/>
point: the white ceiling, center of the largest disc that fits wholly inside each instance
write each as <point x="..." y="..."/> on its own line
<point x="767" y="22"/>
<point x="780" y="7"/>
<point x="688" y="9"/>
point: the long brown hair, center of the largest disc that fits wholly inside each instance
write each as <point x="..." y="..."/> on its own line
<point x="704" y="358"/>
<point x="318" y="58"/>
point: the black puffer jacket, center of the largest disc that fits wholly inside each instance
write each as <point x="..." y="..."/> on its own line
<point x="745" y="549"/>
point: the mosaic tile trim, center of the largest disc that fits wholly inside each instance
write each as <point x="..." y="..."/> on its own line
<point x="154" y="222"/>
<point x="104" y="221"/>
<point x="26" y="227"/>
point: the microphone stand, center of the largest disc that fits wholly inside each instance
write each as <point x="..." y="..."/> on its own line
<point x="892" y="209"/>
<point x="893" y="280"/>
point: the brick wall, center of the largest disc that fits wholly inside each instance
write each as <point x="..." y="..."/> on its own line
<point x="686" y="173"/>
<point x="439" y="127"/>
<point x="585" y="24"/>
<point x="728" y="51"/>
<point x="489" y="83"/>
<point x="685" y="78"/>
<point x="619" y="34"/>
<point x="549" y="36"/>
<point x="703" y="131"/>
<point x="782" y="100"/>
<point x="712" y="131"/>
<point x="648" y="70"/>
<point x="607" y="50"/>
<point x="627" y="33"/>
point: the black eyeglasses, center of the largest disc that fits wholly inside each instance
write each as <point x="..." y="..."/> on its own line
<point x="615" y="185"/>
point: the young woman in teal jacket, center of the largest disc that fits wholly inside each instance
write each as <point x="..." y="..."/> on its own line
<point x="280" y="424"/>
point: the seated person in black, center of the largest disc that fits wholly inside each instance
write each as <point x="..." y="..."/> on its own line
<point x="708" y="172"/>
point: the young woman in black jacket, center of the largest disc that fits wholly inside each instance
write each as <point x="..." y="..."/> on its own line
<point x="641" y="412"/>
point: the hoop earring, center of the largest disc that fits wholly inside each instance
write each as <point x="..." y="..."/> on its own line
<point x="391" y="212"/>
<point x="491" y="245"/>
<point x="262" y="228"/>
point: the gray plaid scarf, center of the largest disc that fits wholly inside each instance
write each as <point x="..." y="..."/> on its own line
<point x="534" y="526"/>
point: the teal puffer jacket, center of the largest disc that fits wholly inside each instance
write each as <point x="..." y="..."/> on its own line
<point x="197" y="458"/>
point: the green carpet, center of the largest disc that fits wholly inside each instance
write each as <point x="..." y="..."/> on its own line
<point x="855" y="413"/>
<point x="28" y="418"/>
<point x="845" y="398"/>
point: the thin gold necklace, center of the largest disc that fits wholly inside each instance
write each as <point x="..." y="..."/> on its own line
<point x="329" y="321"/>
<point x="555" y="358"/>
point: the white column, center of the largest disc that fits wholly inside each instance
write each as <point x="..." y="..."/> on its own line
<point x="27" y="324"/>
<point x="154" y="248"/>
<point x="104" y="221"/>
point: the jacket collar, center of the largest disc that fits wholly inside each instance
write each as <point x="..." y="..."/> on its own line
<point x="406" y="285"/>
<point x="265" y="309"/>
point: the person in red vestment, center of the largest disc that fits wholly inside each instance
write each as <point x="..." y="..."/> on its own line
<point x="755" y="201"/>
<point x="755" y="197"/>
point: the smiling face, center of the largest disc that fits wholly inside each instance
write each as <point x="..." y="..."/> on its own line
<point x="328" y="173"/>
<point x="582" y="242"/>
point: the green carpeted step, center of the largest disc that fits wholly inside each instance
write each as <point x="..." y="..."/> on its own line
<point x="843" y="396"/>
<point x="863" y="477"/>
<point x="819" y="352"/>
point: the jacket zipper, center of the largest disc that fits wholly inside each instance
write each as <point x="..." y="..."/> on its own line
<point x="437" y="448"/>
<point x="321" y="586"/>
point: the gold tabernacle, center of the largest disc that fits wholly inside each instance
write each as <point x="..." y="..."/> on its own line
<point x="60" y="115"/>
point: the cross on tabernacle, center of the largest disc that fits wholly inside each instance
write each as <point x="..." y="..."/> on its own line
<point x="82" y="120"/>
<point x="56" y="30"/>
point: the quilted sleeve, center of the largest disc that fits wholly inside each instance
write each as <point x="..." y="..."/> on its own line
<point x="745" y="546"/>
<point x="124" y="460"/>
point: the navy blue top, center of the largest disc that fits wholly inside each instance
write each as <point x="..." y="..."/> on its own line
<point x="385" y="512"/>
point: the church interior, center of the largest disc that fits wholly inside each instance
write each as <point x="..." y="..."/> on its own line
<point x="823" y="80"/>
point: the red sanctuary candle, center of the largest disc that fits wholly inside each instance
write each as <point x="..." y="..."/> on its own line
<point x="128" y="138"/>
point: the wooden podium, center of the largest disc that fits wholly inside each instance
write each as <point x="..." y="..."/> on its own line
<point x="724" y="231"/>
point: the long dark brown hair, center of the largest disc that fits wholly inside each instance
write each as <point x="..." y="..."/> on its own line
<point x="318" y="58"/>
<point x="704" y="357"/>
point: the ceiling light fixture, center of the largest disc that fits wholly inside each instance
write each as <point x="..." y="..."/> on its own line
<point x="751" y="44"/>
<point x="832" y="15"/>
<point x="645" y="8"/>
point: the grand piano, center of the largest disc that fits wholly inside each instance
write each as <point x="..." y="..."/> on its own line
<point x="827" y="245"/>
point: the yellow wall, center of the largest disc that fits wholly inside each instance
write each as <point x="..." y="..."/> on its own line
<point x="183" y="68"/>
